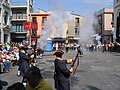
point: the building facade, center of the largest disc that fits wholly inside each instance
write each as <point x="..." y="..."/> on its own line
<point x="40" y="17"/>
<point x="103" y="26"/>
<point x="116" y="22"/>
<point x="5" y="17"/>
<point x="20" y="13"/>
<point x="74" y="27"/>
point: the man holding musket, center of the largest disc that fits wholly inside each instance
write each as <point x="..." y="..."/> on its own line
<point x="62" y="73"/>
<point x="24" y="62"/>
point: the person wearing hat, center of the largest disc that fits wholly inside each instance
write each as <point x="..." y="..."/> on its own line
<point x="62" y="73"/>
<point x="24" y="63"/>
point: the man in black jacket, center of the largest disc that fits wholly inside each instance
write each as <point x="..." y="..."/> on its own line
<point x="24" y="63"/>
<point x="62" y="73"/>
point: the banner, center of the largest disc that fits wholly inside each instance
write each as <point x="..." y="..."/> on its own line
<point x="26" y="25"/>
<point x="34" y="26"/>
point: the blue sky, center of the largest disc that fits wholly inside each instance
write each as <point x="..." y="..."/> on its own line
<point x="76" y="6"/>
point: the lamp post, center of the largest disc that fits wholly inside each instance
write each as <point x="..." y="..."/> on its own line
<point x="30" y="32"/>
<point x="29" y="20"/>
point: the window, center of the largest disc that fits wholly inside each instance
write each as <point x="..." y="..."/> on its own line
<point x="34" y="33"/>
<point x="43" y="28"/>
<point x="44" y="19"/>
<point x="77" y="20"/>
<point x="76" y="30"/>
<point x="6" y="18"/>
<point x="19" y="28"/>
<point x="34" y="19"/>
<point x="19" y="15"/>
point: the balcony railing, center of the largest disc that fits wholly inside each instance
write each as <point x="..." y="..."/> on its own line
<point x="19" y="16"/>
<point x="14" y="30"/>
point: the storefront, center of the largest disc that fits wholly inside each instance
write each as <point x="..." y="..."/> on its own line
<point x="73" y="40"/>
<point x="59" y="40"/>
<point x="18" y="37"/>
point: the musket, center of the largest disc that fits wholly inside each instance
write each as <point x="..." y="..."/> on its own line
<point x="76" y="58"/>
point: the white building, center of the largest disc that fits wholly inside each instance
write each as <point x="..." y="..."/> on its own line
<point x="20" y="13"/>
<point x="74" y="28"/>
<point x="5" y="26"/>
<point x="103" y="26"/>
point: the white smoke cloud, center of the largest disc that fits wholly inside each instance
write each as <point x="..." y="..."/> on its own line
<point x="87" y="30"/>
<point x="58" y="17"/>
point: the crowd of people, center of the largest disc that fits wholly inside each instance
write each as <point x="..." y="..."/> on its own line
<point x="9" y="54"/>
<point x="111" y="47"/>
<point x="23" y="56"/>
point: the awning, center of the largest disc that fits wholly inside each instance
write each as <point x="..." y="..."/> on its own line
<point x="74" y="38"/>
<point x="59" y="39"/>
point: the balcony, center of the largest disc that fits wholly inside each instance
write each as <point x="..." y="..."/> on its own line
<point x="19" y="17"/>
<point x="13" y="30"/>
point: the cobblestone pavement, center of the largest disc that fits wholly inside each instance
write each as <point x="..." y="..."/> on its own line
<point x="96" y="71"/>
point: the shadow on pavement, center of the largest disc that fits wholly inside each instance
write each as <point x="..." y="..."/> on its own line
<point x="50" y="60"/>
<point x="92" y="87"/>
<point x="47" y="74"/>
<point x="74" y="81"/>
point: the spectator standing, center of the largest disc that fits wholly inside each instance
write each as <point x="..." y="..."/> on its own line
<point x="67" y="47"/>
<point x="79" y="51"/>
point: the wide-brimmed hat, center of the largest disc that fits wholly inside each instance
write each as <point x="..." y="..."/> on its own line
<point x="58" y="52"/>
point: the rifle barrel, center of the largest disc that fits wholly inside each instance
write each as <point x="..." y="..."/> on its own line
<point x="74" y="60"/>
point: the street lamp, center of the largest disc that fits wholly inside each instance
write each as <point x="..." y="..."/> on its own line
<point x="29" y="19"/>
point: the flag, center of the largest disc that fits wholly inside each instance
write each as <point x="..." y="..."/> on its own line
<point x="27" y="25"/>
